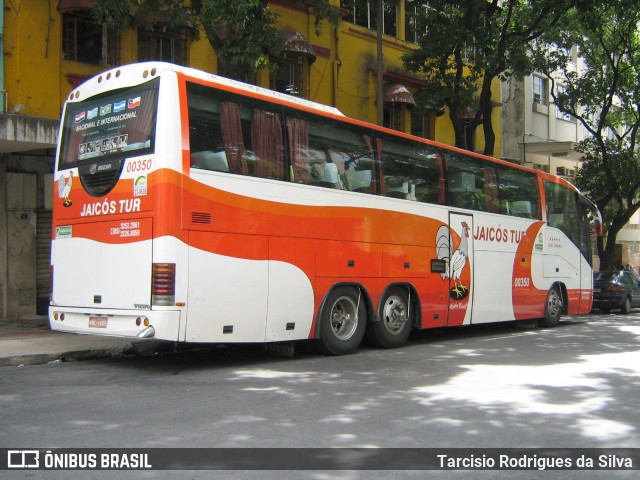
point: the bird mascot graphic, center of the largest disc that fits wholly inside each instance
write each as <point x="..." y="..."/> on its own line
<point x="455" y="261"/>
<point x="64" y="189"/>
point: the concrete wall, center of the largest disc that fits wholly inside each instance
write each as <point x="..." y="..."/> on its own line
<point x="22" y="196"/>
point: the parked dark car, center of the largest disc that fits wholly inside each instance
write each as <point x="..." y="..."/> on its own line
<point x="615" y="289"/>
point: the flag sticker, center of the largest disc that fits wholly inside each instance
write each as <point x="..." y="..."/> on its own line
<point x="93" y="113"/>
<point x="105" y="110"/>
<point x="134" y="102"/>
<point x="80" y="117"/>
<point x="119" y="106"/>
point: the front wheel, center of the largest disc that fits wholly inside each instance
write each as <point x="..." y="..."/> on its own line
<point x="552" y="308"/>
<point x="342" y="321"/>
<point x="394" y="320"/>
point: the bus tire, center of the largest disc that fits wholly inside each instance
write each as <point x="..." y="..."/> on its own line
<point x="342" y="321"/>
<point x="394" y="321"/>
<point x="552" y="309"/>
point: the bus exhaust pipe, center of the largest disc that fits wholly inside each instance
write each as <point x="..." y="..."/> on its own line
<point x="148" y="332"/>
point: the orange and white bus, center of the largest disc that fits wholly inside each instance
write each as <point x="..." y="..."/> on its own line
<point x="192" y="208"/>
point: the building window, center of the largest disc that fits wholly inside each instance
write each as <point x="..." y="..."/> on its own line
<point x="291" y="75"/>
<point x="539" y="90"/>
<point x="85" y="41"/>
<point x="559" y="113"/>
<point x="393" y="117"/>
<point x="423" y="125"/>
<point x="413" y="11"/>
<point x="364" y="13"/>
<point x="163" y="45"/>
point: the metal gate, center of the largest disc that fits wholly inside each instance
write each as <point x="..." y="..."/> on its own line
<point x="43" y="260"/>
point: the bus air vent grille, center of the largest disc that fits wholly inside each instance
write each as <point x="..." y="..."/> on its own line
<point x="99" y="183"/>
<point x="201" y="218"/>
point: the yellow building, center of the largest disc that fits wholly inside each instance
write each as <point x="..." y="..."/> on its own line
<point x="50" y="46"/>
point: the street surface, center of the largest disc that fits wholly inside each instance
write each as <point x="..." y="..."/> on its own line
<point x="491" y="386"/>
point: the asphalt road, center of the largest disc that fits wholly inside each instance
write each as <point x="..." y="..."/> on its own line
<point x="492" y="386"/>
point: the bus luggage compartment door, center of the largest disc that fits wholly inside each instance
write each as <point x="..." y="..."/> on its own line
<point x="103" y="264"/>
<point x="228" y="287"/>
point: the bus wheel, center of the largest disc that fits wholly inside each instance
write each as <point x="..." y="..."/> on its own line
<point x="552" y="309"/>
<point x="394" y="321"/>
<point x="342" y="321"/>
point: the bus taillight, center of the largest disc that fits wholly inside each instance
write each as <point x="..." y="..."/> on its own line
<point x="163" y="284"/>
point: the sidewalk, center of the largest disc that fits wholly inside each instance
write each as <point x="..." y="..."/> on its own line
<point x="29" y="341"/>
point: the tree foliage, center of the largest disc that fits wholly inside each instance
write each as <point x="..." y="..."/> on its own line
<point x="604" y="97"/>
<point x="469" y="43"/>
<point x="243" y="33"/>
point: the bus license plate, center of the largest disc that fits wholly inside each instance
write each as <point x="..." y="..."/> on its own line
<point x="98" y="322"/>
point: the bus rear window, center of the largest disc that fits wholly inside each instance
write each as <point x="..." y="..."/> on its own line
<point x="118" y="124"/>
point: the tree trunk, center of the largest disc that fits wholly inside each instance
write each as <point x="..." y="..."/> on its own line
<point x="609" y="255"/>
<point x="487" y="122"/>
<point x="487" y="128"/>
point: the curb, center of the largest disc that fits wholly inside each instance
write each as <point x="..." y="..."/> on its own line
<point x="126" y="349"/>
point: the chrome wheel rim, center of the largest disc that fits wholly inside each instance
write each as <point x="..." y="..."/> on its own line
<point x="554" y="303"/>
<point x="344" y="318"/>
<point x="394" y="314"/>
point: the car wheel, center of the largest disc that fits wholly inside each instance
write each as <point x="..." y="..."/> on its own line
<point x="626" y="305"/>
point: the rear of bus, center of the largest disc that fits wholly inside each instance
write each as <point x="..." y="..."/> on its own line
<point x="113" y="257"/>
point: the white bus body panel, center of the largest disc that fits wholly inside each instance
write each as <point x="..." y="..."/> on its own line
<point x="100" y="275"/>
<point x="239" y="300"/>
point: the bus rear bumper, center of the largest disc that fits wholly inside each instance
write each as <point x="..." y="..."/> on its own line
<point x="157" y="325"/>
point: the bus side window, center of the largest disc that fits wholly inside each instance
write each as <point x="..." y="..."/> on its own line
<point x="338" y="157"/>
<point x="310" y="166"/>
<point x="465" y="182"/>
<point x="215" y="132"/>
<point x="228" y="133"/>
<point x="518" y="192"/>
<point x="396" y="169"/>
<point x="429" y="176"/>
<point x="205" y="134"/>
<point x="563" y="210"/>
<point x="412" y="171"/>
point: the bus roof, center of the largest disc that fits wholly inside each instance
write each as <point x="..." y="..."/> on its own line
<point x="147" y="70"/>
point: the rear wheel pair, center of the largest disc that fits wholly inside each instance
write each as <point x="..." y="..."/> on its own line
<point x="343" y="321"/>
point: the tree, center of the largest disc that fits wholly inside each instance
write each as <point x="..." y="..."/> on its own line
<point x="243" y="33"/>
<point x="470" y="43"/>
<point x="604" y="97"/>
